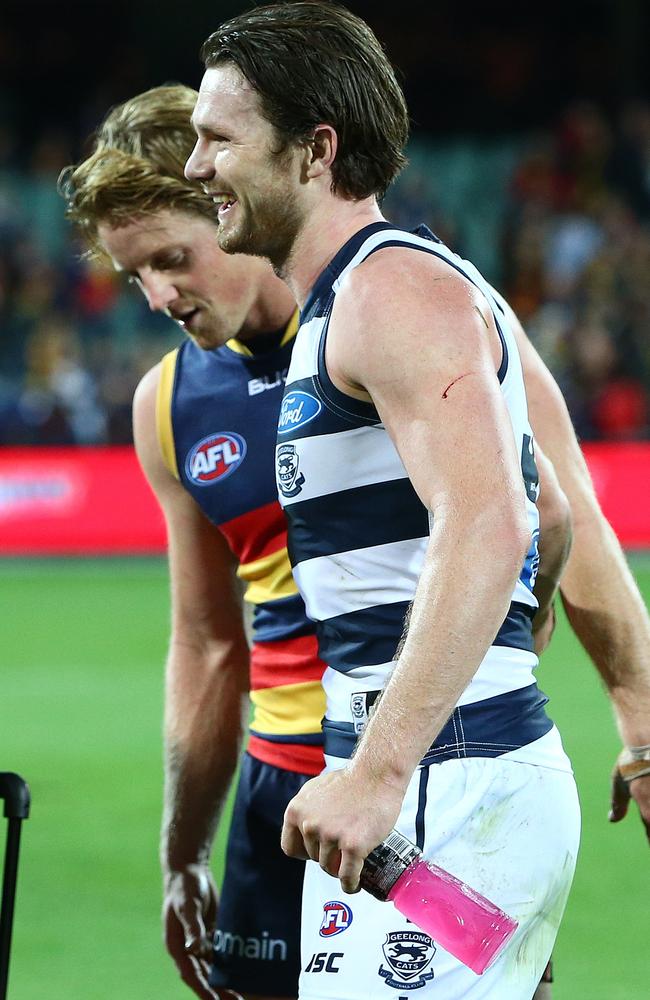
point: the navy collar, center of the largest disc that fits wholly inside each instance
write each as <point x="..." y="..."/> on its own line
<point x="323" y="284"/>
<point x="322" y="287"/>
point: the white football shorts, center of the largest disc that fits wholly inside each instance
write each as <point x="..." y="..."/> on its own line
<point x="510" y="829"/>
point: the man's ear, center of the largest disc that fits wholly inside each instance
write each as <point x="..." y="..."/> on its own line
<point x="320" y="151"/>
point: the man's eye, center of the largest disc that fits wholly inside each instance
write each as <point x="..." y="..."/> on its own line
<point x="172" y="262"/>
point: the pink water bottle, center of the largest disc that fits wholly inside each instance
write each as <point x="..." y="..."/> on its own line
<point x="463" y="922"/>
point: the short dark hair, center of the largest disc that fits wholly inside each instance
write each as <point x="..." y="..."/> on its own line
<point x="314" y="63"/>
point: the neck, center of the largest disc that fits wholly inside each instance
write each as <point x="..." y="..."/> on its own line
<point x="271" y="309"/>
<point x="326" y="229"/>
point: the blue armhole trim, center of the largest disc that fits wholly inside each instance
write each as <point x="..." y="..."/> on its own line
<point x="342" y="404"/>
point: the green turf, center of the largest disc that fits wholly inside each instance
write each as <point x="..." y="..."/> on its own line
<point x="83" y="645"/>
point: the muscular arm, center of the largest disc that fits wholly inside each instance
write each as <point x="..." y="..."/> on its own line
<point x="599" y="594"/>
<point x="430" y="369"/>
<point x="205" y="698"/>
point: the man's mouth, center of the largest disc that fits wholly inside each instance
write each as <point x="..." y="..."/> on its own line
<point x="186" y="319"/>
<point x="224" y="203"/>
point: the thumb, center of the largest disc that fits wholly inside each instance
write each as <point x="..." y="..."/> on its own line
<point x="620" y="798"/>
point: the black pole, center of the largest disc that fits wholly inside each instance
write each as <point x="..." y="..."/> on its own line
<point x="15" y="793"/>
<point x="8" y="900"/>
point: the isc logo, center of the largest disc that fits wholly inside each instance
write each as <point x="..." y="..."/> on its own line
<point x="322" y="962"/>
<point x="215" y="457"/>
<point x="337" y="917"/>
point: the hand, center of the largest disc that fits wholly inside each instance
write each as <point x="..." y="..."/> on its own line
<point x="337" y="819"/>
<point x="543" y="628"/>
<point x="622" y="791"/>
<point x="189" y="921"/>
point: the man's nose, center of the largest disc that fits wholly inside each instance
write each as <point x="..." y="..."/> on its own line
<point x="200" y="166"/>
<point x="159" y="291"/>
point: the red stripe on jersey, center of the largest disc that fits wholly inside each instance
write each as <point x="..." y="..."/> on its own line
<point x="299" y="757"/>
<point x="258" y="533"/>
<point x="290" y="661"/>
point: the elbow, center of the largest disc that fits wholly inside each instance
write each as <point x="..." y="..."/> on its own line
<point x="507" y="539"/>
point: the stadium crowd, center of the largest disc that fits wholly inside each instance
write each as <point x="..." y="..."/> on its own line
<point x="558" y="220"/>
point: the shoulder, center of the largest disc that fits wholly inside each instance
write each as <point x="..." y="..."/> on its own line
<point x="148" y="432"/>
<point x="146" y="394"/>
<point x="401" y="303"/>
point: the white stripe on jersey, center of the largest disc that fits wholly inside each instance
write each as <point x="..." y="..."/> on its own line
<point x="360" y="578"/>
<point x="304" y="357"/>
<point x="515" y="671"/>
<point x="362" y="455"/>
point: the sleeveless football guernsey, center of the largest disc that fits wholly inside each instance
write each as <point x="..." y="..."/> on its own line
<point x="358" y="534"/>
<point x="217" y="414"/>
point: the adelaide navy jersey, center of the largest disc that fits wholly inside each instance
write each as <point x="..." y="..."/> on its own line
<point x="358" y="531"/>
<point x="217" y="413"/>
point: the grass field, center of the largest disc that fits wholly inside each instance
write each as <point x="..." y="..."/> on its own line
<point x="83" y="645"/>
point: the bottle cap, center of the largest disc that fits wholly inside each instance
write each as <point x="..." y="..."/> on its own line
<point x="386" y="863"/>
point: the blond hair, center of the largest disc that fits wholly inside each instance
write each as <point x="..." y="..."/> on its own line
<point x="136" y="167"/>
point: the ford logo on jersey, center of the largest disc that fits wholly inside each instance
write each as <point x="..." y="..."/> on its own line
<point x="337" y="917"/>
<point x="298" y="408"/>
<point x="215" y="457"/>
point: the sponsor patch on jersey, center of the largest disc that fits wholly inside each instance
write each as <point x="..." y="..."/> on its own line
<point x="407" y="954"/>
<point x="297" y="409"/>
<point x="215" y="457"/>
<point x="290" y="479"/>
<point x="266" y="382"/>
<point x="337" y="917"/>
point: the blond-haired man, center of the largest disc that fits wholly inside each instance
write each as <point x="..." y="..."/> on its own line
<point x="204" y="425"/>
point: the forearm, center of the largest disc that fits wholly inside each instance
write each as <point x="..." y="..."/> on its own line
<point x="455" y="616"/>
<point x="600" y="596"/>
<point x="608" y="615"/>
<point x="206" y="703"/>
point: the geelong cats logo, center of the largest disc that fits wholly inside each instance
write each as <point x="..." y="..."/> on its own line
<point x="290" y="479"/>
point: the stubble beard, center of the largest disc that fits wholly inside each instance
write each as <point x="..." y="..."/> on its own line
<point x="270" y="234"/>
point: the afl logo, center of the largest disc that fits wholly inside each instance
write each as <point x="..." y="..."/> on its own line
<point x="215" y="458"/>
<point x="337" y="917"/>
<point x="298" y="408"/>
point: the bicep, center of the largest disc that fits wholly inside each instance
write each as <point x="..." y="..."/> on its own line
<point x="428" y="358"/>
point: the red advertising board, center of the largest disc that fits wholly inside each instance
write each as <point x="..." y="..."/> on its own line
<point x="95" y="501"/>
<point x="60" y="501"/>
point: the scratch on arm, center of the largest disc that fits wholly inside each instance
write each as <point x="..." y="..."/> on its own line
<point x="444" y="395"/>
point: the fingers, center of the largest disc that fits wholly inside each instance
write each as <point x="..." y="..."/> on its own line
<point x="291" y="840"/>
<point x="620" y="798"/>
<point x="329" y="858"/>
<point x="350" y="871"/>
<point x="639" y="790"/>
<point x="308" y="843"/>
<point x="193" y="970"/>
<point x="197" y="940"/>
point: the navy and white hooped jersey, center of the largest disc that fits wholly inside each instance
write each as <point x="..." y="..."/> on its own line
<point x="358" y="532"/>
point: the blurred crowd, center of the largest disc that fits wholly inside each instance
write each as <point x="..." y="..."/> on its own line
<point x="559" y="221"/>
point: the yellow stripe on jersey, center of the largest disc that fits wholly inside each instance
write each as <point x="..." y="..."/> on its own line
<point x="164" y="411"/>
<point x="288" y="710"/>
<point x="291" y="330"/>
<point x="268" y="578"/>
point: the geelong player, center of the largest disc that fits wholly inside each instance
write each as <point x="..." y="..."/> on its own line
<point x="204" y="423"/>
<point x="405" y="465"/>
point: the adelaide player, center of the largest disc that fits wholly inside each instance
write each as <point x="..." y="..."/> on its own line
<point x="204" y="425"/>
